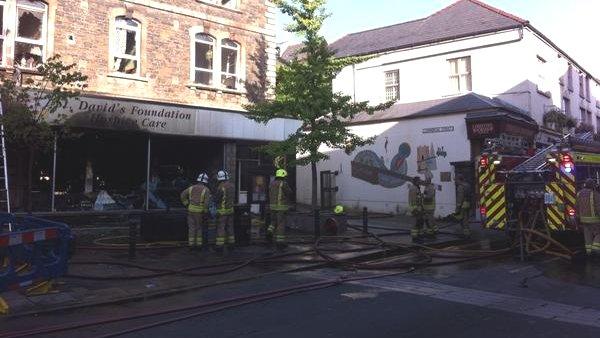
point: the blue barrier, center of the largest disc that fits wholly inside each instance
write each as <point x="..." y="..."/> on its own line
<point x="36" y="250"/>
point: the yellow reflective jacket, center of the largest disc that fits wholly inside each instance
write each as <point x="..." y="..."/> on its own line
<point x="196" y="198"/>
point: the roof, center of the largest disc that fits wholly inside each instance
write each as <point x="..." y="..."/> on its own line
<point x="474" y="103"/>
<point x="461" y="19"/>
<point x="291" y="52"/>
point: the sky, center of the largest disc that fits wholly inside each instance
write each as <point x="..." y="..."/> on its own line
<point x="571" y="24"/>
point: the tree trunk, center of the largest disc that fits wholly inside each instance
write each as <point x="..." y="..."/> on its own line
<point x="29" y="187"/>
<point x="313" y="167"/>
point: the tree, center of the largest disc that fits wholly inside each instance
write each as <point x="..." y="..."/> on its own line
<point x="304" y="92"/>
<point x="30" y="119"/>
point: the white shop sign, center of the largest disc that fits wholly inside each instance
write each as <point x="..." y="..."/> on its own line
<point x="114" y="114"/>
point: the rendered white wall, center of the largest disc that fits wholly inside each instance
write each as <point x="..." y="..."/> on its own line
<point x="358" y="193"/>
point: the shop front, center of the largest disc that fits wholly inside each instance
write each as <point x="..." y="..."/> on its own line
<point x="130" y="154"/>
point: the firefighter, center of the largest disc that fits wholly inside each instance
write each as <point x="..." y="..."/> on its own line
<point x="279" y="196"/>
<point x="196" y="199"/>
<point x="588" y="206"/>
<point x="429" y="206"/>
<point x="415" y="207"/>
<point x="224" y="198"/>
<point x="463" y="204"/>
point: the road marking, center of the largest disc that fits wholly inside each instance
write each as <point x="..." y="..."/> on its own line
<point x="521" y="305"/>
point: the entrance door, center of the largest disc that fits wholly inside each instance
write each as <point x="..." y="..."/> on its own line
<point x="328" y="190"/>
<point x="467" y="170"/>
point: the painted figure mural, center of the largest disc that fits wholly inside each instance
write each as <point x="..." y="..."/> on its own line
<point x="370" y="167"/>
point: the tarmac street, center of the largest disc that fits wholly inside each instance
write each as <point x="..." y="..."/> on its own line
<point x="336" y="289"/>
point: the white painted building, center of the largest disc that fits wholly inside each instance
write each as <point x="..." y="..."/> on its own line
<point x="467" y="73"/>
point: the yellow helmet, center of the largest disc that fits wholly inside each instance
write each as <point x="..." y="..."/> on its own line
<point x="281" y="173"/>
<point x="339" y="209"/>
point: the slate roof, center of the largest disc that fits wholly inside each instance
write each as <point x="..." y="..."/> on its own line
<point x="472" y="103"/>
<point x="461" y="19"/>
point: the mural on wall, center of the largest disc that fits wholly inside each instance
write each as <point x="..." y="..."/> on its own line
<point x="427" y="158"/>
<point x="370" y="167"/>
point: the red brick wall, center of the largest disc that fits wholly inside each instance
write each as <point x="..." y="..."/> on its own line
<point x="165" y="55"/>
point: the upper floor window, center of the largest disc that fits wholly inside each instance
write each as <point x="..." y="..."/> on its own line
<point x="26" y="19"/>
<point x="230" y="52"/>
<point x="460" y="74"/>
<point x="566" y="106"/>
<point x="204" y="49"/>
<point x="570" y="77"/>
<point x="587" y="89"/>
<point x="212" y="63"/>
<point x="126" y="47"/>
<point x="392" y="85"/>
<point x="581" y="87"/>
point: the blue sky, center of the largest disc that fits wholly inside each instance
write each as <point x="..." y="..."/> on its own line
<point x="572" y="24"/>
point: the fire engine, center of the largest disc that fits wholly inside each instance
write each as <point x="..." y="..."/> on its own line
<point x="537" y="191"/>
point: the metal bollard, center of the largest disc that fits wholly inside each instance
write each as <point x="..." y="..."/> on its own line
<point x="317" y="224"/>
<point x="132" y="238"/>
<point x="365" y="221"/>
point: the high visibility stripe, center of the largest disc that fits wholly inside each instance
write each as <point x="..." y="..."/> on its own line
<point x="554" y="221"/>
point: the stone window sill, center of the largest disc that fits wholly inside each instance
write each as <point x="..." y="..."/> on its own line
<point x="216" y="89"/>
<point x="128" y="77"/>
<point x="235" y="10"/>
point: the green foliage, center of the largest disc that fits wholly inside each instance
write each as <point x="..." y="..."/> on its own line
<point x="304" y="91"/>
<point x="30" y="108"/>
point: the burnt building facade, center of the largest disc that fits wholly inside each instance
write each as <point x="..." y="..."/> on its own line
<point x="167" y="85"/>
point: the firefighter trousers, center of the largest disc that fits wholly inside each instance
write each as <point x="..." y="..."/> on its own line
<point x="196" y="228"/>
<point x="277" y="227"/>
<point x="463" y="217"/>
<point x="417" y="228"/>
<point x="225" y="232"/>
<point x="591" y="234"/>
<point x="429" y="220"/>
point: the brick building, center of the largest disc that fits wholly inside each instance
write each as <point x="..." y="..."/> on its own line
<point x="167" y="83"/>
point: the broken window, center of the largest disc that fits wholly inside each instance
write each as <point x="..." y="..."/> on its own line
<point x="126" y="46"/>
<point x="30" y="36"/>
<point x="229" y="63"/>
<point x="392" y="85"/>
<point x="460" y="74"/>
<point x="203" y="59"/>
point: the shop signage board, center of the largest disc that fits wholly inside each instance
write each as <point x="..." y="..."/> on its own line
<point x="129" y="115"/>
<point x="445" y="129"/>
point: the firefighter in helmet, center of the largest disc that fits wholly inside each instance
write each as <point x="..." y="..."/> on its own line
<point x="588" y="206"/>
<point x="415" y="208"/>
<point x="463" y="204"/>
<point x="429" y="206"/>
<point x="196" y="198"/>
<point x="279" y="197"/>
<point x="224" y="198"/>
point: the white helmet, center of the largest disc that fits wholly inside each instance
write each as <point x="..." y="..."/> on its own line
<point x="222" y="175"/>
<point x="203" y="178"/>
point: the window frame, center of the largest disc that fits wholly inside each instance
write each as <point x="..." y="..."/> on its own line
<point x="581" y="86"/>
<point x="395" y="84"/>
<point x="238" y="52"/>
<point x="138" y="45"/>
<point x="458" y="75"/>
<point x="42" y="42"/>
<point x="193" y="67"/>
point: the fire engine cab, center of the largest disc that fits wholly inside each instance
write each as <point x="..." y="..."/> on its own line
<point x="540" y="190"/>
